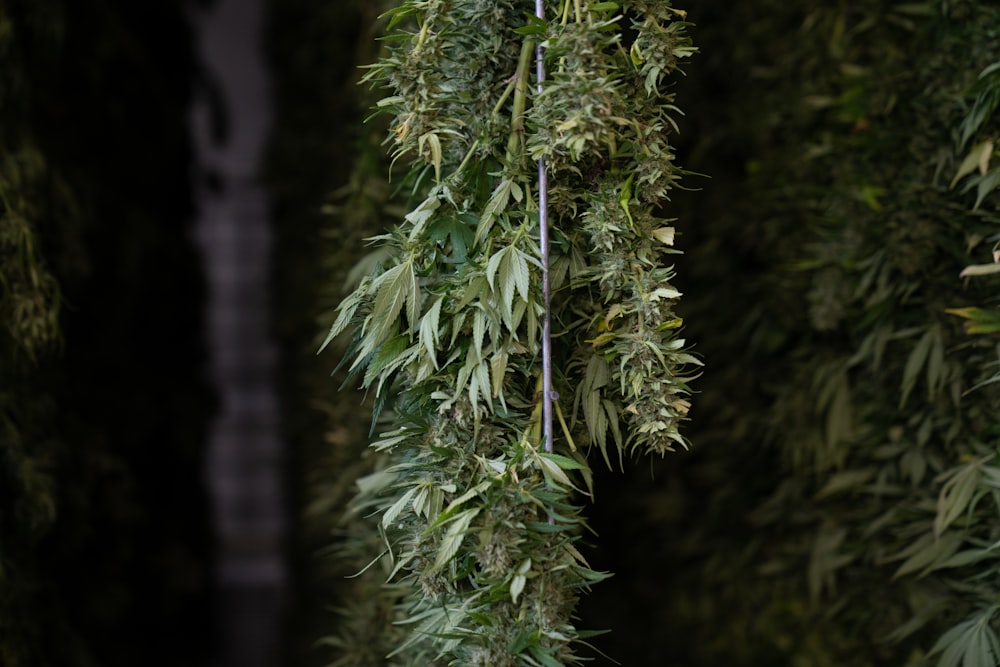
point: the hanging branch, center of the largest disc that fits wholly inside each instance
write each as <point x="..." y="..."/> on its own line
<point x="478" y="507"/>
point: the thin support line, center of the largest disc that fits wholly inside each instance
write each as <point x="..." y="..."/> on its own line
<point x="543" y="240"/>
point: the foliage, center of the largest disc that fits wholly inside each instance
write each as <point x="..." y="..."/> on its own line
<point x="328" y="177"/>
<point x="481" y="524"/>
<point x="848" y="512"/>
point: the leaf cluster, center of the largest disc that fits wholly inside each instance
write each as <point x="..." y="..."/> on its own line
<point x="847" y="404"/>
<point x="481" y="524"/>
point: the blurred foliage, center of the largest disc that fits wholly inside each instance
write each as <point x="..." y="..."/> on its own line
<point x="840" y="508"/>
<point x="103" y="549"/>
<point x="328" y="176"/>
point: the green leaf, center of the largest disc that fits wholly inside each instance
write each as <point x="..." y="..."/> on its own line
<point x="347" y="309"/>
<point x="914" y="364"/>
<point x="563" y="462"/>
<point x="931" y="554"/>
<point x="397" y="507"/>
<point x="626" y="197"/>
<point x="453" y="538"/>
<point x="429" y="330"/>
<point x="493" y="266"/>
<point x="449" y="512"/>
<point x="985" y="185"/>
<point x="977" y="158"/>
<point x="414" y="299"/>
<point x="957" y="496"/>
<point x="540" y="654"/>
<point x="478" y="333"/>
<point x="935" y="363"/>
<point x="419" y="216"/>
<point x="553" y="471"/>
<point x="498" y="371"/>
<point x="483" y="385"/>
<point x="497" y="203"/>
<point x="522" y="276"/>
<point x="847" y="480"/>
<point x="393" y="290"/>
<point x="386" y="358"/>
<point x="596" y="377"/>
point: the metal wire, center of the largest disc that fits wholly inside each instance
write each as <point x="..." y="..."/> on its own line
<point x="543" y="239"/>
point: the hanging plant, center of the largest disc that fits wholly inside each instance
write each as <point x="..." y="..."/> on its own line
<point x="480" y="503"/>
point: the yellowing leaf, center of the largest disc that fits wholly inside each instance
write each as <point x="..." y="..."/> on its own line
<point x="434" y="144"/>
<point x="419" y="216"/>
<point x="977" y="158"/>
<point x="979" y="270"/>
<point x="664" y="235"/>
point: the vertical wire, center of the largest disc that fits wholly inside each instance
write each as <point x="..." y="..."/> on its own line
<point x="543" y="241"/>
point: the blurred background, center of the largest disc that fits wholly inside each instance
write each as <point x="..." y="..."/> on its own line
<point x="184" y="186"/>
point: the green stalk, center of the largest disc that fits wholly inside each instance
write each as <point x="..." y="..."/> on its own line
<point x="515" y="141"/>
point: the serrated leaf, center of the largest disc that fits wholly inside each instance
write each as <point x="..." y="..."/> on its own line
<point x="497" y="203"/>
<point x="397" y="508"/>
<point x="419" y="216"/>
<point x="498" y="370"/>
<point x="478" y="333"/>
<point x="546" y="660"/>
<point x="522" y="275"/>
<point x="453" y="538"/>
<point x="563" y="462"/>
<point x="966" y="557"/>
<point x="553" y="471"/>
<point x="977" y="158"/>
<point x="957" y="496"/>
<point x="386" y="358"/>
<point x="493" y="266"/>
<point x="429" y="334"/>
<point x="482" y="375"/>
<point x="595" y="378"/>
<point x="461" y="500"/>
<point x="938" y="551"/>
<point x="414" y="300"/>
<point x="506" y="281"/>
<point x="393" y="289"/>
<point x="347" y="309"/>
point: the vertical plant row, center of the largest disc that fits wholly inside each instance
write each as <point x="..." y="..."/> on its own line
<point x="861" y="425"/>
<point x="481" y="525"/>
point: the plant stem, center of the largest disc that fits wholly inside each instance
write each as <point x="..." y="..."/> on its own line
<point x="520" y="98"/>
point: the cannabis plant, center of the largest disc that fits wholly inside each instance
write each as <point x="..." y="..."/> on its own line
<point x="849" y="468"/>
<point x="495" y="264"/>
